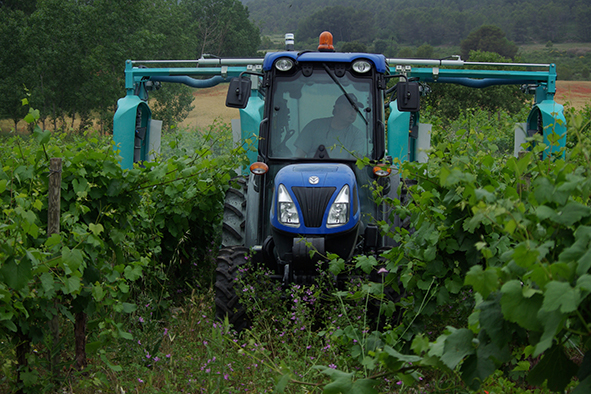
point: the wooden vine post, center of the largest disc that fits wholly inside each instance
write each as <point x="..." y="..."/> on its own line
<point x="53" y="227"/>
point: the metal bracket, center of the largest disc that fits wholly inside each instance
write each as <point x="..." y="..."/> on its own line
<point x="403" y="69"/>
<point x="435" y="73"/>
<point x="254" y="78"/>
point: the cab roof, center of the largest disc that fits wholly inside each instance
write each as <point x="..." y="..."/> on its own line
<point x="379" y="61"/>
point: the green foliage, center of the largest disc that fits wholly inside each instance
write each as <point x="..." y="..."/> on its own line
<point x="434" y="22"/>
<point x="515" y="230"/>
<point x="425" y="51"/>
<point x="571" y="63"/>
<point x="172" y="104"/>
<point x="449" y="102"/>
<point x="488" y="38"/>
<point x="354" y="46"/>
<point x="494" y="274"/>
<point x="345" y="23"/>
<point x="71" y="55"/>
<point x="145" y="225"/>
<point x="13" y="42"/>
<point x="221" y="28"/>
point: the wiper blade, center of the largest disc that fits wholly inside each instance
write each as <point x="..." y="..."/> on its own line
<point x="351" y="101"/>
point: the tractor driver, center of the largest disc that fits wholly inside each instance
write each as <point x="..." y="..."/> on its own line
<point x="334" y="132"/>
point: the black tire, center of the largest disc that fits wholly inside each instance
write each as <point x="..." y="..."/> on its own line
<point x="234" y="221"/>
<point x="226" y="299"/>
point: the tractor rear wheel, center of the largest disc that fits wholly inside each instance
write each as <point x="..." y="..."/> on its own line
<point x="234" y="221"/>
<point x="227" y="302"/>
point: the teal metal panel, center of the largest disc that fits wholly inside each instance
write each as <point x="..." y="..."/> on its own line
<point x="250" y="121"/>
<point x="398" y="123"/>
<point x="124" y="126"/>
<point x="553" y="124"/>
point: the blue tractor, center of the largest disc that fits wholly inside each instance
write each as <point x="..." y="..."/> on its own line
<point x="312" y="114"/>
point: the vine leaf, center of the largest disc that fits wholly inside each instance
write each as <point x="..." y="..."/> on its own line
<point x="561" y="295"/>
<point x="552" y="322"/>
<point x="457" y="346"/>
<point x="366" y="263"/>
<point x="484" y="282"/>
<point x="572" y="213"/>
<point x="583" y="387"/>
<point x="336" y="266"/>
<point x="343" y="383"/>
<point x="16" y="276"/>
<point x="475" y="369"/>
<point x="585" y="369"/>
<point x="555" y="367"/>
<point x="42" y="136"/>
<point x="491" y="320"/>
<point x="519" y="309"/>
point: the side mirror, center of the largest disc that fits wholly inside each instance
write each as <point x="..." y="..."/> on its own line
<point x="238" y="92"/>
<point x="408" y="97"/>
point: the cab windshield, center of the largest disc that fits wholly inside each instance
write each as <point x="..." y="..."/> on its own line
<point x="316" y="117"/>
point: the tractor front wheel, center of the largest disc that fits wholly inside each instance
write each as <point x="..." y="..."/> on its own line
<point x="227" y="302"/>
<point x="234" y="221"/>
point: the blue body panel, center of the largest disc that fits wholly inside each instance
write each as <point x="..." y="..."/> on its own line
<point x="379" y="61"/>
<point x="330" y="175"/>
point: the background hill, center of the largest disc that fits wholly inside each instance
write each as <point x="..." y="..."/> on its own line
<point x="546" y="31"/>
<point x="432" y="21"/>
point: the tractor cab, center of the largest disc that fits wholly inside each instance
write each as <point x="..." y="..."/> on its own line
<point x="322" y="111"/>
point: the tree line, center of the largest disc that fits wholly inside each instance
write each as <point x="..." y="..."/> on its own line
<point x="67" y="56"/>
<point x="425" y="21"/>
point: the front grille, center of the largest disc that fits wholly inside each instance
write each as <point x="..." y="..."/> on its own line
<point x="313" y="202"/>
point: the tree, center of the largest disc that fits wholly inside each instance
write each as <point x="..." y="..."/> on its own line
<point x="425" y="51"/>
<point x="354" y="46"/>
<point x="56" y="27"/>
<point x="488" y="38"/>
<point x="583" y="19"/>
<point x="172" y="104"/>
<point x="26" y="6"/>
<point x="220" y="28"/>
<point x="345" y="24"/>
<point x="405" y="52"/>
<point x="15" y="64"/>
<point x="71" y="54"/>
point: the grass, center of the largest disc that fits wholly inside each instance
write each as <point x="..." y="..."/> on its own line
<point x="185" y="350"/>
<point x="196" y="355"/>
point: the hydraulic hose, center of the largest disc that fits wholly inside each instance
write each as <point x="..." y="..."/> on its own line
<point x="478" y="83"/>
<point x="192" y="82"/>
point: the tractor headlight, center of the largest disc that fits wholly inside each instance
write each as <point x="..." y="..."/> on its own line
<point x="339" y="210"/>
<point x="284" y="64"/>
<point x="286" y="209"/>
<point x="361" y="66"/>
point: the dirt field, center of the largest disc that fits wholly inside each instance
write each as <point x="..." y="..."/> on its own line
<point x="574" y="93"/>
<point x="210" y="104"/>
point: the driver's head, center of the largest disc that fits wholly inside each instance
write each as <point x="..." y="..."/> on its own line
<point x="344" y="111"/>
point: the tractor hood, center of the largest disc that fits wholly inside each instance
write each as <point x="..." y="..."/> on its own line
<point x="315" y="199"/>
